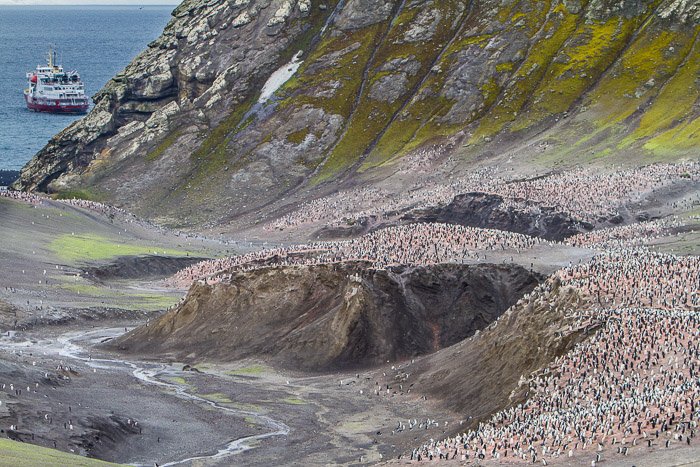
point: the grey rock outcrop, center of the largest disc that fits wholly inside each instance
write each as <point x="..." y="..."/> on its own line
<point x="180" y="137"/>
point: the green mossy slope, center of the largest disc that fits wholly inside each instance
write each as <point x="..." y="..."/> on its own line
<point x="599" y="79"/>
<point x="16" y="454"/>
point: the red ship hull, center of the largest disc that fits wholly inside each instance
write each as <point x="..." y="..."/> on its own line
<point x="56" y="107"/>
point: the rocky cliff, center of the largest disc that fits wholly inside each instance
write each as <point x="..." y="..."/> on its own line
<point x="198" y="129"/>
<point x="332" y="315"/>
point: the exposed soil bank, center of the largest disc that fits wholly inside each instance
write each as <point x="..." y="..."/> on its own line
<point x="141" y="267"/>
<point x="485" y="211"/>
<point x="491" y="211"/>
<point x="476" y="210"/>
<point x="332" y="316"/>
<point x="482" y="375"/>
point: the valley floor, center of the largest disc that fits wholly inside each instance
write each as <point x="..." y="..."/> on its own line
<point x="74" y="276"/>
<point x="85" y="401"/>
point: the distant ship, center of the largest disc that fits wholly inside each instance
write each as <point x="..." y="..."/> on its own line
<point x="53" y="90"/>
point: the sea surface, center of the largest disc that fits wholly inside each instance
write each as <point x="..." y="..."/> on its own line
<point x="97" y="41"/>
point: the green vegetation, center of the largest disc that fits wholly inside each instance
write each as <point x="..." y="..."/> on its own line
<point x="579" y="64"/>
<point x="311" y="25"/>
<point x="645" y="101"/>
<point x="371" y="118"/>
<point x="423" y="119"/>
<point x="504" y="67"/>
<point x="248" y="370"/>
<point x="120" y="298"/>
<point x="89" y="247"/>
<point x="246" y="407"/>
<point x="212" y="153"/>
<point x="608" y="62"/>
<point x="400" y="125"/>
<point x="177" y="380"/>
<point x="298" y="137"/>
<point x="676" y="141"/>
<point x="351" y="51"/>
<point x="293" y="401"/>
<point x="168" y="141"/>
<point x="668" y="120"/>
<point x="79" y="194"/>
<point x="16" y="454"/>
<point x="420" y="121"/>
<point x="217" y="397"/>
<point x="528" y="75"/>
<point x="623" y="90"/>
<point x="676" y="99"/>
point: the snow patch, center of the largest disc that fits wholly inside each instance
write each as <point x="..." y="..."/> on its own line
<point x="279" y="77"/>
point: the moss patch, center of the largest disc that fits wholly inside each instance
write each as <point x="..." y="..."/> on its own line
<point x="16" y="454"/>
<point x="248" y="370"/>
<point x="247" y="407"/>
<point x="85" y="194"/>
<point x="298" y="137"/>
<point x="212" y="153"/>
<point x="163" y="146"/>
<point x="528" y="75"/>
<point x="372" y="118"/>
<point x="351" y="51"/>
<point x="293" y="401"/>
<point x="668" y="125"/>
<point x="677" y="141"/>
<point x="88" y="247"/>
<point x="177" y="380"/>
<point x="217" y="397"/>
<point x="119" y="298"/>
<point x="585" y="56"/>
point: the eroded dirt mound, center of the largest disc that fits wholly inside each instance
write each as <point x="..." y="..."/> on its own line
<point x="140" y="267"/>
<point x="333" y="315"/>
<point x="488" y="372"/>
<point x="487" y="211"/>
<point x="482" y="210"/>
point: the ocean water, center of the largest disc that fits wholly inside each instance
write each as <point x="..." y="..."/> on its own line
<point x="97" y="41"/>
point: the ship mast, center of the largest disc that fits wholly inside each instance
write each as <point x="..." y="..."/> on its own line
<point x="52" y="57"/>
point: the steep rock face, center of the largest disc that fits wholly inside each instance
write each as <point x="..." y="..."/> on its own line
<point x="181" y="137"/>
<point x="332" y="316"/>
<point x="202" y="74"/>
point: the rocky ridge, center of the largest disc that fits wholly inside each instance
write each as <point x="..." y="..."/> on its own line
<point x="182" y="137"/>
